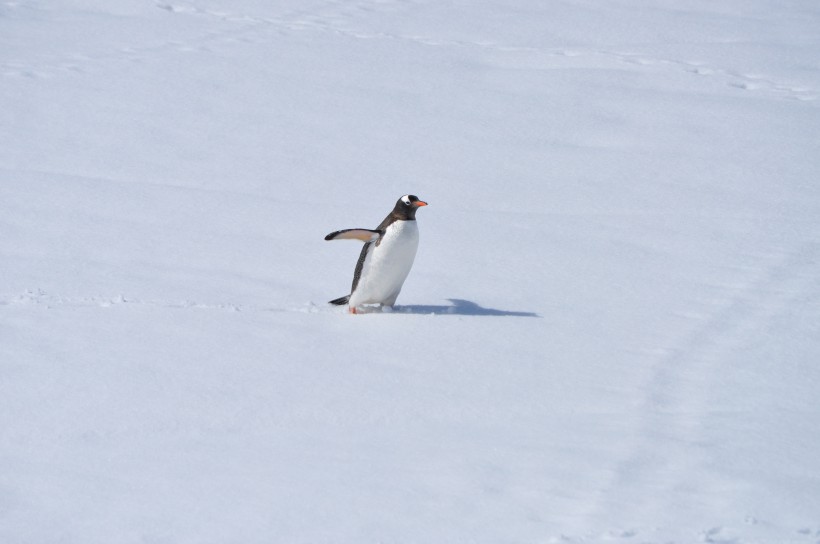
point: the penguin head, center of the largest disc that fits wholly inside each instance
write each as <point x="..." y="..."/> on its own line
<point x="407" y="205"/>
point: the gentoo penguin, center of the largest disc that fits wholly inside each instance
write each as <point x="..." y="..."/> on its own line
<point x="386" y="257"/>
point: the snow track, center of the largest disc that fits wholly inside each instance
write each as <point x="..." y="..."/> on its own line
<point x="684" y="404"/>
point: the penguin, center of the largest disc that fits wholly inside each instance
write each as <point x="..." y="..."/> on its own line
<point x="386" y="258"/>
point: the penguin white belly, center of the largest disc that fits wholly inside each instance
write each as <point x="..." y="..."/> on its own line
<point x="387" y="265"/>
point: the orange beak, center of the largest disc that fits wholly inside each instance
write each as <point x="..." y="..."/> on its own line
<point x="421" y="203"/>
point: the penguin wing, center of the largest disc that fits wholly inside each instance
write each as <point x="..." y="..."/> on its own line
<point x="365" y="235"/>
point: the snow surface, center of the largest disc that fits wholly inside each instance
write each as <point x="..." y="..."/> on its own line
<point x="611" y="332"/>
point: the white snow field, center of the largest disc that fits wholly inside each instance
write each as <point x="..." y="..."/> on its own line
<point x="611" y="332"/>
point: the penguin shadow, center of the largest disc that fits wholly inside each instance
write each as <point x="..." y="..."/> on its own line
<point x="460" y="307"/>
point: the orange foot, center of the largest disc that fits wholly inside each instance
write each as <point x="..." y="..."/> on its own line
<point x="352" y="310"/>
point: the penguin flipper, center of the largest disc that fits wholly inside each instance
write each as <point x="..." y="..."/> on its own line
<point x="365" y="235"/>
<point x="340" y="301"/>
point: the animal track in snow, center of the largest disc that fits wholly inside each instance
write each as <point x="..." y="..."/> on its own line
<point x="685" y="378"/>
<point x="39" y="297"/>
<point x="737" y="80"/>
<point x="335" y="17"/>
<point x="338" y="18"/>
<point x="654" y="535"/>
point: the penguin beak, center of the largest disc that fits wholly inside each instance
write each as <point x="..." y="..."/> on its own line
<point x="421" y="203"/>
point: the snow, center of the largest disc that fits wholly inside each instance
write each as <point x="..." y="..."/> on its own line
<point x="610" y="333"/>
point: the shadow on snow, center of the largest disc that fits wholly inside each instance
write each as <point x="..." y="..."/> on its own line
<point x="459" y="307"/>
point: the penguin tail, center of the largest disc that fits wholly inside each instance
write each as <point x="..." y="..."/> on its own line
<point x="341" y="300"/>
